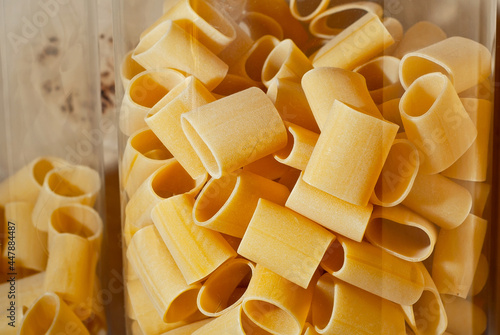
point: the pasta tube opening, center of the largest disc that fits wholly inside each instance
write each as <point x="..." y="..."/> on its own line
<point x="165" y="186"/>
<point x="44" y="310"/>
<point x="307" y="10"/>
<point x="334" y="258"/>
<point x="182" y="306"/>
<point x="40" y="170"/>
<point x="150" y="146"/>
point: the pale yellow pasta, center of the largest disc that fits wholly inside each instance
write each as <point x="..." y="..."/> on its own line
<point x="142" y="93"/>
<point x="50" y="315"/>
<point x="238" y="47"/>
<point x="480" y="194"/>
<point x="227" y="204"/>
<point x="330" y="212"/>
<point x="257" y="25"/>
<point x="439" y="200"/>
<point x="234" y="131"/>
<point x="143" y="155"/>
<point x="334" y="20"/>
<point x="189" y="56"/>
<point x="436" y="122"/>
<point x="395" y="28"/>
<point x="232" y="8"/>
<point x="188" y="329"/>
<point x="465" y="62"/>
<point x="350" y="153"/>
<point x="307" y="10"/>
<point x="299" y="147"/>
<point x="129" y="69"/>
<point x="355" y="45"/>
<point x="480" y="276"/>
<point x="290" y="178"/>
<point x="418" y="36"/>
<point x="173" y="299"/>
<point x="232" y="84"/>
<point x="464" y="317"/>
<point x="325" y="85"/>
<point x="390" y="112"/>
<point x="267" y="167"/>
<point x="340" y="308"/>
<point x="164" y="119"/>
<point x="69" y="185"/>
<point x="374" y="270"/>
<point x="456" y="256"/>
<point x="197" y="251"/>
<point x="309" y="329"/>
<point x="473" y="164"/>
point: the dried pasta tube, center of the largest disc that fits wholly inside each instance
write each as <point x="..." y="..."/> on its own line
<point x="325" y="85"/>
<point x="465" y="62"/>
<point x="436" y="122"/>
<point x="418" y="36"/>
<point x="232" y="84"/>
<point x="234" y="131"/>
<point x="144" y="154"/>
<point x="473" y="164"/>
<point x="306" y="11"/>
<point x="480" y="276"/>
<point x="395" y="28"/>
<point x="350" y="153"/>
<point x="227" y="204"/>
<point x="69" y="185"/>
<point x="129" y="69"/>
<point x="340" y="308"/>
<point x="238" y="47"/>
<point x="257" y="25"/>
<point x="456" y="256"/>
<point x="142" y="93"/>
<point x="172" y="297"/>
<point x="276" y="304"/>
<point x="355" y="45"/>
<point x="439" y="200"/>
<point x="336" y="19"/>
<point x="188" y="329"/>
<point x="197" y="251"/>
<point x="480" y="194"/>
<point x="300" y="145"/>
<point x="285" y="242"/>
<point x="50" y="315"/>
<point x="189" y="56"/>
<point x="164" y="119"/>
<point x="267" y="167"/>
<point x="226" y="287"/>
<point x="464" y="317"/>
<point x="374" y="270"/>
<point x="390" y="112"/>
<point x="337" y="215"/>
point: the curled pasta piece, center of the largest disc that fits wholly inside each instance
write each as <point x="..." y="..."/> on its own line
<point x="299" y="147"/>
<point x="273" y="240"/>
<point x="374" y="270"/>
<point x="226" y="287"/>
<point x="464" y="317"/>
<point x="473" y="164"/>
<point x="480" y="194"/>
<point x="325" y="85"/>
<point x="456" y="256"/>
<point x="164" y="119"/>
<point x="50" y="315"/>
<point x="350" y="141"/>
<point x="307" y="10"/>
<point x="340" y="308"/>
<point x="142" y="93"/>
<point x="355" y="45"/>
<point x="395" y="28"/>
<point x="144" y="154"/>
<point x="173" y="299"/>
<point x="390" y="112"/>
<point x="436" y="122"/>
<point x="257" y="25"/>
<point x="480" y="276"/>
<point x="276" y="304"/>
<point x="188" y="329"/>
<point x="267" y="167"/>
<point x="418" y="36"/>
<point x="439" y="200"/>
<point x="334" y="20"/>
<point x="337" y="215"/>
<point x="252" y="129"/>
<point x="129" y="69"/>
<point x="189" y="56"/>
<point x="465" y="62"/>
<point x="69" y="185"/>
<point x="227" y="204"/>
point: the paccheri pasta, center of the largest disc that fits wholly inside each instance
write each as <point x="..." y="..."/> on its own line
<point x="328" y="175"/>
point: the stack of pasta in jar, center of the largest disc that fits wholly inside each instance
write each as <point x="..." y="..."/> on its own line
<point x="295" y="170"/>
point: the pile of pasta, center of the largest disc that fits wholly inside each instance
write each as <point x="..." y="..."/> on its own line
<point x="51" y="240"/>
<point x="293" y="170"/>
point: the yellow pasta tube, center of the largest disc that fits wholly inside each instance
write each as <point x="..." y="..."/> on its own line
<point x="395" y="28"/>
<point x="252" y="129"/>
<point x="464" y="317"/>
<point x="374" y="270"/>
<point x="172" y="297"/>
<point x="233" y="84"/>
<point x="306" y="11"/>
<point x="50" y="315"/>
<point x="197" y="251"/>
<point x="480" y="276"/>
<point x="142" y="93"/>
<point x="390" y="112"/>
<point x="439" y="200"/>
<point x="436" y="122"/>
<point x="188" y="329"/>
<point x="238" y="47"/>
<point x="418" y="36"/>
<point x="227" y="204"/>
<point x="340" y="308"/>
<point x="258" y="25"/>
<point x="309" y="329"/>
<point x="325" y="85"/>
<point x="232" y="8"/>
<point x="267" y="167"/>
<point x="164" y="119"/>
<point x="355" y="45"/>
<point x="350" y="153"/>
<point x="189" y="56"/>
<point x="285" y="242"/>
<point x="456" y="256"/>
<point x="129" y="69"/>
<point x="465" y="62"/>
<point x="143" y="155"/>
<point x="480" y="193"/>
<point x="290" y="178"/>
<point x="226" y="287"/>
<point x="337" y="215"/>
<point x="70" y="185"/>
<point x="473" y="164"/>
<point x="299" y="147"/>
